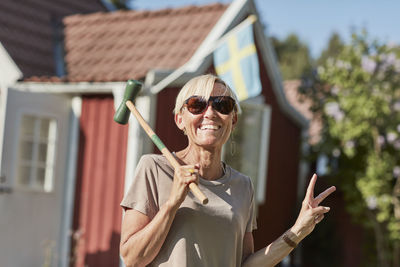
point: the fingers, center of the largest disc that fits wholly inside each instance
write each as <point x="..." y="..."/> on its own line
<point x="188" y="174"/>
<point x="324" y="194"/>
<point x="320" y="210"/>
<point x="311" y="213"/>
<point x="310" y="189"/>
<point x="309" y="200"/>
<point x="192" y="177"/>
<point x="318" y="218"/>
<point x="183" y="176"/>
<point x="318" y="213"/>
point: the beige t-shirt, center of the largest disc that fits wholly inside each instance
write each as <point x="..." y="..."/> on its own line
<point x="200" y="235"/>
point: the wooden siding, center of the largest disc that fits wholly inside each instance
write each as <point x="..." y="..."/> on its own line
<point x="100" y="185"/>
<point x="166" y="128"/>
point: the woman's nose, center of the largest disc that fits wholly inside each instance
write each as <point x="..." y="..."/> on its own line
<point x="209" y="110"/>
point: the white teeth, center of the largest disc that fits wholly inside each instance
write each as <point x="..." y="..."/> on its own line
<point x="209" y="127"/>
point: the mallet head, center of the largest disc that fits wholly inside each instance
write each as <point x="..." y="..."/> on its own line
<point x="132" y="89"/>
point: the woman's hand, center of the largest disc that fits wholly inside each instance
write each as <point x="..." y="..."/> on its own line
<point x="184" y="175"/>
<point x="311" y="213"/>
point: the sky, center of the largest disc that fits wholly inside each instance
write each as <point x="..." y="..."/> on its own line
<point x="314" y="20"/>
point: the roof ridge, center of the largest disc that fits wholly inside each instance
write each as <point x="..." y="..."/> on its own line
<point x="123" y="14"/>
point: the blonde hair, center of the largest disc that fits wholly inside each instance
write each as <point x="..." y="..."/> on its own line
<point x="202" y="86"/>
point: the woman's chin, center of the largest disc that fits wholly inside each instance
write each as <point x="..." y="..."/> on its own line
<point x="210" y="143"/>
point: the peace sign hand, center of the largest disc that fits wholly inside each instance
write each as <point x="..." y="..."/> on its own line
<point x="311" y="213"/>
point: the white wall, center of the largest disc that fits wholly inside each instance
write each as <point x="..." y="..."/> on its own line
<point x="9" y="71"/>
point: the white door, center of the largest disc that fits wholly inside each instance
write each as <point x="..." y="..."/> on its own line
<point x="33" y="159"/>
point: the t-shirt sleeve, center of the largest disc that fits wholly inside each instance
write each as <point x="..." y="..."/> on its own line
<point x="252" y="222"/>
<point x="143" y="193"/>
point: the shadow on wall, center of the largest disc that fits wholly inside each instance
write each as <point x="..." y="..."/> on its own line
<point x="101" y="258"/>
<point x="106" y="258"/>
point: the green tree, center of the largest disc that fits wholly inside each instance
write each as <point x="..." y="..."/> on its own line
<point x="293" y="57"/>
<point x="357" y="95"/>
<point x="121" y="4"/>
<point x="335" y="46"/>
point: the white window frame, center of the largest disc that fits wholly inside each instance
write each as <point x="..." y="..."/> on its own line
<point x="50" y="157"/>
<point x="261" y="179"/>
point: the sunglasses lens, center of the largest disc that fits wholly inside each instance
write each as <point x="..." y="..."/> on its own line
<point x="196" y="105"/>
<point x="223" y="104"/>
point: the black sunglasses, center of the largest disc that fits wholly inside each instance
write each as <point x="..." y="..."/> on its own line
<point x="222" y="104"/>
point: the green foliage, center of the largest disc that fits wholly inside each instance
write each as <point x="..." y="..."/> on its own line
<point x="120" y="4"/>
<point x="335" y="46"/>
<point x="356" y="91"/>
<point x="293" y="57"/>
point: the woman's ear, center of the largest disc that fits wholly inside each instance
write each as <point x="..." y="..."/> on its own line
<point x="234" y="119"/>
<point x="179" y="121"/>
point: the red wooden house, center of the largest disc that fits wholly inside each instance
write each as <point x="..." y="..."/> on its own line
<point x="63" y="154"/>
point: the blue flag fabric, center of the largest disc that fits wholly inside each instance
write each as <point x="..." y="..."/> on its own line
<point x="236" y="63"/>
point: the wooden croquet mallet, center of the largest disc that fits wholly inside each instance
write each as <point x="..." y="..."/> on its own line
<point x="122" y="116"/>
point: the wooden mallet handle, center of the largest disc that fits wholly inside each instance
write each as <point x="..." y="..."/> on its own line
<point x="164" y="150"/>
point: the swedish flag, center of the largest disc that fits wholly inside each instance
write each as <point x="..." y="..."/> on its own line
<point x="236" y="63"/>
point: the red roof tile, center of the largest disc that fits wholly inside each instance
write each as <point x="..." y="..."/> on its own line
<point x="127" y="44"/>
<point x="51" y="79"/>
<point x="27" y="30"/>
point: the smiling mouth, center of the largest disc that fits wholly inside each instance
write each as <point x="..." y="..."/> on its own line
<point x="209" y="127"/>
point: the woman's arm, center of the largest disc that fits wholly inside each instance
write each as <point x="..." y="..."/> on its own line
<point x="272" y="254"/>
<point x="142" y="237"/>
<point x="310" y="214"/>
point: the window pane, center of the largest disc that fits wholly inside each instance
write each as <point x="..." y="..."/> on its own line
<point x="40" y="177"/>
<point x="26" y="150"/>
<point x="27" y="125"/>
<point x="37" y="152"/>
<point x="245" y="143"/>
<point x="42" y="153"/>
<point x="24" y="175"/>
<point x="44" y="128"/>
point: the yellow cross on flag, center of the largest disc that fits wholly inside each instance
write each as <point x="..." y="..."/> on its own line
<point x="236" y="63"/>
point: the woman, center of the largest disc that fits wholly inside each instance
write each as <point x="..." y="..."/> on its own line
<point x="165" y="225"/>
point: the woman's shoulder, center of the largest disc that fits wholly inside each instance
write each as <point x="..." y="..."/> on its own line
<point x="238" y="176"/>
<point x="152" y="158"/>
<point x="149" y="161"/>
<point x="155" y="161"/>
<point x="242" y="182"/>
